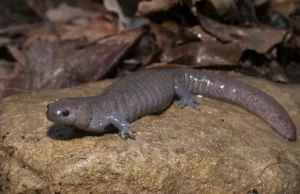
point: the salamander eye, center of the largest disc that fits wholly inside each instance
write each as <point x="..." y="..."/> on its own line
<point x="65" y="113"/>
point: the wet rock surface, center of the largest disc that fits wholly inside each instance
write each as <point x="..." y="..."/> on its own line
<point x="222" y="149"/>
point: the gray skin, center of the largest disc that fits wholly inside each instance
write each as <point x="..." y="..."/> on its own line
<point x="152" y="90"/>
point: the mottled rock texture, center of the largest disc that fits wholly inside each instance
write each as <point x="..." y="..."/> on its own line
<point x="222" y="149"/>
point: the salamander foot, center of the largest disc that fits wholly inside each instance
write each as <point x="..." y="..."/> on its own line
<point x="123" y="126"/>
<point x="191" y="101"/>
<point x="125" y="133"/>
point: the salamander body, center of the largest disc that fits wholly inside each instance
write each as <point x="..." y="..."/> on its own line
<point x="152" y="90"/>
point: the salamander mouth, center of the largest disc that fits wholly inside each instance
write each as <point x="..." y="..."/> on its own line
<point x="52" y="117"/>
<point x="291" y="136"/>
<point x="49" y="117"/>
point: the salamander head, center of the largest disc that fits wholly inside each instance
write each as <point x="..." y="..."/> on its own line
<point x="71" y="111"/>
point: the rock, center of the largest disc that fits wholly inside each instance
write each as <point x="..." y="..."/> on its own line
<point x="222" y="149"/>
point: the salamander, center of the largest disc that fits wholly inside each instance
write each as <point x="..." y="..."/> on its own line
<point x="152" y="90"/>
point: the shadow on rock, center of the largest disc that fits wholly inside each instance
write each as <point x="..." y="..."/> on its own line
<point x="67" y="132"/>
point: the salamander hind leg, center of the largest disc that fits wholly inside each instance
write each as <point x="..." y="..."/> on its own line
<point x="185" y="98"/>
<point x="122" y="126"/>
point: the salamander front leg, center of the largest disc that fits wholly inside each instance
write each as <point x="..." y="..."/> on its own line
<point x="185" y="98"/>
<point x="122" y="125"/>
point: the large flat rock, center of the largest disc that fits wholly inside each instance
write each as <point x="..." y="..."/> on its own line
<point x="222" y="149"/>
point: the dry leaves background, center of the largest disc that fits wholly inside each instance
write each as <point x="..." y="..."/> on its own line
<point x="54" y="44"/>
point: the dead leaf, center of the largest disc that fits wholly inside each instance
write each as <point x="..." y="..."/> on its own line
<point x="125" y="11"/>
<point x="261" y="2"/>
<point x="147" y="7"/>
<point x="182" y="46"/>
<point x="223" y="6"/>
<point x="293" y="72"/>
<point x="4" y="41"/>
<point x="6" y="68"/>
<point x="13" y="30"/>
<point x="203" y="54"/>
<point x="278" y="73"/>
<point x="162" y="65"/>
<point x="258" y="39"/>
<point x="65" y="13"/>
<point x="285" y="7"/>
<point x="59" y="64"/>
<point x="96" y="29"/>
<point x="18" y="55"/>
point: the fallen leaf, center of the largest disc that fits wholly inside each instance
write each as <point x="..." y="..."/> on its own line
<point x="258" y="39"/>
<point x="182" y="46"/>
<point x="14" y="30"/>
<point x="65" y="63"/>
<point x="147" y="7"/>
<point x="203" y="54"/>
<point x="285" y="7"/>
<point x="6" y="68"/>
<point x="278" y="73"/>
<point x="223" y="6"/>
<point x="125" y="11"/>
<point x="95" y="29"/>
<point x="293" y="72"/>
<point x="65" y="13"/>
<point x="18" y="55"/>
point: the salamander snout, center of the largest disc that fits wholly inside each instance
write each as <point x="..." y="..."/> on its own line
<point x="62" y="111"/>
<point x="48" y="105"/>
